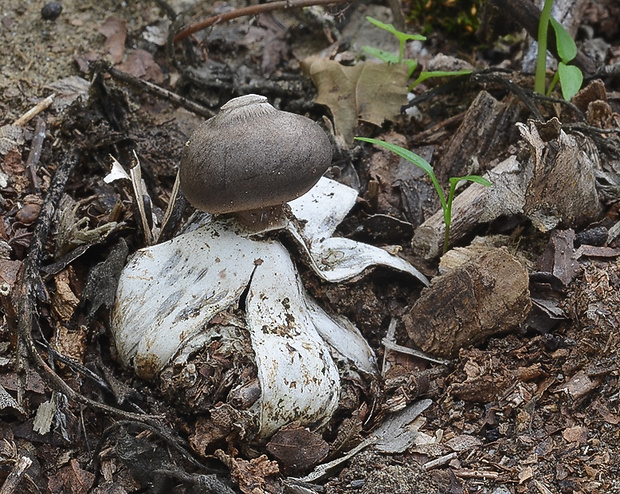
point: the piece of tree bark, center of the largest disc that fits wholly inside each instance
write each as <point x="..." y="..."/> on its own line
<point x="467" y="305"/>
<point x="486" y="130"/>
<point x="555" y="186"/>
<point x="563" y="187"/>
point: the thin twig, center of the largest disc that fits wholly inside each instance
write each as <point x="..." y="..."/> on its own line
<point x="176" y="206"/>
<point x="560" y="101"/>
<point x="35" y="110"/>
<point x="32" y="164"/>
<point x="168" y="10"/>
<point x="26" y="295"/>
<point x="390" y="345"/>
<point x="476" y="474"/>
<point x="437" y="462"/>
<point x="526" y="96"/>
<point x="251" y="10"/>
<point x="149" y="87"/>
<point x="15" y="477"/>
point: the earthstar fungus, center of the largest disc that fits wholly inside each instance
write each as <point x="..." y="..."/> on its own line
<point x="221" y="278"/>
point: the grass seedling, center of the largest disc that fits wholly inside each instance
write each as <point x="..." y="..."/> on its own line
<point x="398" y="58"/>
<point x="570" y="76"/>
<point x="402" y="38"/>
<point x="446" y="204"/>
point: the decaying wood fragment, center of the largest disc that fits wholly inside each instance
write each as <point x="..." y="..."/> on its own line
<point x="486" y="127"/>
<point x="559" y="258"/>
<point x="467" y="305"/>
<point x="476" y="205"/>
<point x="480" y="245"/>
<point x="555" y="186"/>
<point x="15" y="477"/>
<point x="563" y="186"/>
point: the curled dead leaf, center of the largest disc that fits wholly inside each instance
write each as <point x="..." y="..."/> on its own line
<point x="368" y="91"/>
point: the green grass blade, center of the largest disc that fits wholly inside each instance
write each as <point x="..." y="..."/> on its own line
<point x="391" y="29"/>
<point x="411" y="66"/>
<point x="438" y="73"/>
<point x="413" y="158"/>
<point x="402" y="152"/>
<point x="472" y="178"/>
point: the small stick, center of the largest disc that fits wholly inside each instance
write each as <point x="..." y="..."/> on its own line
<point x="323" y="469"/>
<point x="149" y="87"/>
<point x="391" y="338"/>
<point x="32" y="164"/>
<point x="26" y="299"/>
<point x="140" y="193"/>
<point x="176" y="203"/>
<point x="476" y="474"/>
<point x="35" y="110"/>
<point x="411" y="351"/>
<point x="442" y="460"/>
<point x="16" y="475"/>
<point x="251" y="10"/>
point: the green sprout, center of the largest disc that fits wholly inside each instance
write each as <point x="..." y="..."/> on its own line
<point x="570" y="76"/>
<point x="403" y="38"/>
<point x="446" y="204"/>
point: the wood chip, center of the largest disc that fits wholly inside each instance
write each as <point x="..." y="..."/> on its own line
<point x="469" y="304"/>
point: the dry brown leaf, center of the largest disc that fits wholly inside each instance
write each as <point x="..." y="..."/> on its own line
<point x="297" y="448"/>
<point x="13" y="166"/>
<point x="65" y="301"/>
<point x="580" y="385"/>
<point x="71" y="343"/>
<point x="141" y="64"/>
<point x="368" y="91"/>
<point x="115" y="31"/>
<point x="525" y="474"/>
<point x="577" y="434"/>
<point x="463" y="442"/>
<point x="250" y="476"/>
<point x="8" y="272"/>
<point x="71" y="479"/>
<point x="606" y="415"/>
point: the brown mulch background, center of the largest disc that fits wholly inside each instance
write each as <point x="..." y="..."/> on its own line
<point x="534" y="410"/>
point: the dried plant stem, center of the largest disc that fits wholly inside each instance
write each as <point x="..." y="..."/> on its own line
<point x="251" y="10"/>
<point x="26" y="296"/>
<point x="35" y="110"/>
<point x="15" y="477"/>
<point x="32" y="165"/>
<point x="151" y="88"/>
<point x="438" y="462"/>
